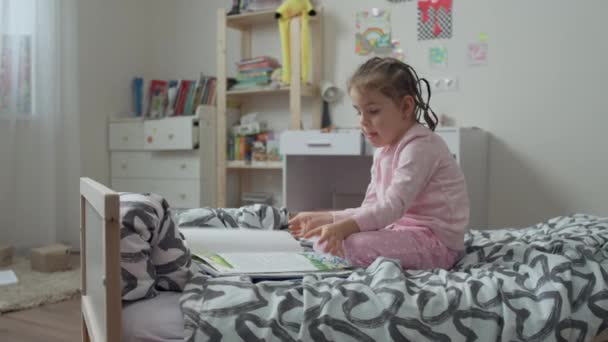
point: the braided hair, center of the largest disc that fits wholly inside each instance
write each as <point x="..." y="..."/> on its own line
<point x="395" y="79"/>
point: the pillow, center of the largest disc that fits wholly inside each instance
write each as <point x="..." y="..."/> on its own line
<point x="154" y="255"/>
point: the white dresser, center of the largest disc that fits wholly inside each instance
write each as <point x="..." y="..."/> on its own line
<point x="331" y="170"/>
<point x="174" y="157"/>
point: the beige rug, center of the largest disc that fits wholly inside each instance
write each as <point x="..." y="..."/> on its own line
<point x="36" y="288"/>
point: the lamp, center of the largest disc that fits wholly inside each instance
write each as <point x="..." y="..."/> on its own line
<point x="329" y="93"/>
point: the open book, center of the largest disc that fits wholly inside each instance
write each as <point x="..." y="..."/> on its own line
<point x="258" y="253"/>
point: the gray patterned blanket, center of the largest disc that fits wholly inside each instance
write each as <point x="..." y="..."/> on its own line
<point x="548" y="282"/>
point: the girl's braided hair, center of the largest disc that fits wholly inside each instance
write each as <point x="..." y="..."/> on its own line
<point x="395" y="79"/>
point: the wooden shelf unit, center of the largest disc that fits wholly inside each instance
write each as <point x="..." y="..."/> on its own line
<point x="245" y="23"/>
<point x="237" y="164"/>
<point x="306" y="90"/>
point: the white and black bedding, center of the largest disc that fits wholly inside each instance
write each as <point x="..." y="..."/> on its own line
<point x="547" y="282"/>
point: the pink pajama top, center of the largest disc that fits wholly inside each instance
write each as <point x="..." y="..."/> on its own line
<point x="415" y="183"/>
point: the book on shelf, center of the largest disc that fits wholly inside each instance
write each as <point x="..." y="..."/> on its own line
<point x="164" y="98"/>
<point x="258" y="253"/>
<point x="172" y="88"/>
<point x="190" y="98"/>
<point x="137" y="86"/>
<point x="181" y="95"/>
<point x="255" y="72"/>
<point x="156" y="98"/>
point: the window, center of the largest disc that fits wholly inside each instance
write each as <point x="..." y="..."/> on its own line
<point x="17" y="19"/>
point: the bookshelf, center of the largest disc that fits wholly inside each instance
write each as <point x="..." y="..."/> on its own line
<point x="246" y="23"/>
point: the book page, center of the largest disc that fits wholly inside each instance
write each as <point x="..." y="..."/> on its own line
<point x="224" y="240"/>
<point x="272" y="263"/>
<point x="267" y="262"/>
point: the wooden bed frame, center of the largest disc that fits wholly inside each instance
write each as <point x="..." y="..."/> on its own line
<point x="100" y="264"/>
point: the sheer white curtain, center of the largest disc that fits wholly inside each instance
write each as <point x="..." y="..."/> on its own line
<point x="39" y="139"/>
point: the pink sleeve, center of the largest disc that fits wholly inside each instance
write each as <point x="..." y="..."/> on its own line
<point x="416" y="164"/>
<point x="370" y="198"/>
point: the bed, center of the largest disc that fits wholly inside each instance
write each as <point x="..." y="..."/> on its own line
<point x="548" y="282"/>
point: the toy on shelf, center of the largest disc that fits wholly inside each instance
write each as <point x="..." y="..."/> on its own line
<point x="288" y="10"/>
<point x="242" y="6"/>
<point x="237" y="7"/>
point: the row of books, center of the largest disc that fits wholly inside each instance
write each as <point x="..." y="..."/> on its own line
<point x="255" y="72"/>
<point x="165" y="98"/>
<point x="261" y="147"/>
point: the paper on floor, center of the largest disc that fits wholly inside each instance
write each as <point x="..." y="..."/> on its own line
<point x="7" y="278"/>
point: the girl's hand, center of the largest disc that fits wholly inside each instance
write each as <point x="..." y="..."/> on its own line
<point x="306" y="221"/>
<point x="333" y="235"/>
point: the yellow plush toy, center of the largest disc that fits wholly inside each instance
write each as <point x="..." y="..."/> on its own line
<point x="288" y="10"/>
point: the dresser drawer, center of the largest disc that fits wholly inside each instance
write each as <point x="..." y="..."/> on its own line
<point x="126" y="136"/>
<point x="170" y="134"/>
<point x="179" y="193"/>
<point x="317" y="143"/>
<point x="174" y="164"/>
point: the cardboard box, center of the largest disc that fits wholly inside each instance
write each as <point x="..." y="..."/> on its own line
<point x="6" y="255"/>
<point x="51" y="258"/>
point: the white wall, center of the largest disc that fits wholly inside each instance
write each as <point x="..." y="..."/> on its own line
<point x="540" y="97"/>
<point x="118" y="40"/>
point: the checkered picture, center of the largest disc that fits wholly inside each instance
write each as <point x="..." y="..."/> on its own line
<point x="426" y="30"/>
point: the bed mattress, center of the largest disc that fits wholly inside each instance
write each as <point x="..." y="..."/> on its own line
<point x="153" y="320"/>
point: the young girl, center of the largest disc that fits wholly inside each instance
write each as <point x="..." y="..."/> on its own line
<point x="416" y="208"/>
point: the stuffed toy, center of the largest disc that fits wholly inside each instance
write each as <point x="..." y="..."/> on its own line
<point x="290" y="9"/>
<point x="238" y="7"/>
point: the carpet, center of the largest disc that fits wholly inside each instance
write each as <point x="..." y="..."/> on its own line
<point x="36" y="288"/>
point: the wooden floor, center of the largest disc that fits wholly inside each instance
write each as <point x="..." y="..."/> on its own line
<point x="52" y="323"/>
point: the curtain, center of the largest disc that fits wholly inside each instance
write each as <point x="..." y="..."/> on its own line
<point x="39" y="128"/>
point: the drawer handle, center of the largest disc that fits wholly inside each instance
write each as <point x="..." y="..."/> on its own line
<point x="183" y="166"/>
<point x="125" y="138"/>
<point x="123" y="165"/>
<point x="171" y="136"/>
<point x="318" y="144"/>
<point x="182" y="196"/>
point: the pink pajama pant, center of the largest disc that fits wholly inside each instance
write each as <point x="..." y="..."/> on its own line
<point x="415" y="247"/>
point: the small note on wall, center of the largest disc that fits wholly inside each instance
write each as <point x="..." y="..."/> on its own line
<point x="398" y="52"/>
<point x="478" y="54"/>
<point x="438" y="57"/>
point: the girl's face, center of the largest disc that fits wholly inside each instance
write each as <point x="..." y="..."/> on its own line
<point x="382" y="121"/>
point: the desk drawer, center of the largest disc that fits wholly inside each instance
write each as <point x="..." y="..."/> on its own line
<point x="170" y="134"/>
<point x="179" y="193"/>
<point x="317" y="143"/>
<point x="451" y="136"/>
<point x="175" y="164"/>
<point x="126" y="136"/>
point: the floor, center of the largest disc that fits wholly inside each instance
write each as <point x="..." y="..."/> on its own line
<point x="58" y="322"/>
